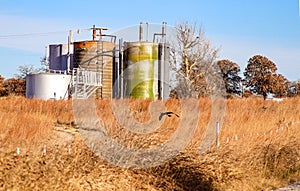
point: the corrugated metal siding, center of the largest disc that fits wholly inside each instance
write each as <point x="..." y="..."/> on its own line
<point x="85" y="56"/>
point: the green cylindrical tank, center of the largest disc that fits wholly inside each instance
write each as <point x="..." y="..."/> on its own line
<point x="140" y="69"/>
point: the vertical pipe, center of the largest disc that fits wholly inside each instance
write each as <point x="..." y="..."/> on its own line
<point x="47" y="58"/>
<point x="166" y="69"/>
<point x="163" y="66"/>
<point x="163" y="31"/>
<point x="61" y="60"/>
<point x="121" y="70"/>
<point x="160" y="73"/>
<point x="101" y="33"/>
<point x="147" y="31"/>
<point x="69" y="49"/>
<point x="94" y="33"/>
<point x="141" y="32"/>
<point x="115" y="74"/>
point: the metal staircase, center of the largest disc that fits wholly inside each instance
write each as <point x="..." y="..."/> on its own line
<point x="85" y="83"/>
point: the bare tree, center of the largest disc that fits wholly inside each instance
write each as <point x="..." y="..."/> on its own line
<point x="192" y="58"/>
<point x="44" y="64"/>
<point x="23" y="71"/>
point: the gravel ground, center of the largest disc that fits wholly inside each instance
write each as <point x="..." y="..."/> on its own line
<point x="292" y="187"/>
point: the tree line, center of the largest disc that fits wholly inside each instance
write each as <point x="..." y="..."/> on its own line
<point x="193" y="55"/>
<point x="260" y="78"/>
<point x="12" y="86"/>
<point x="17" y="85"/>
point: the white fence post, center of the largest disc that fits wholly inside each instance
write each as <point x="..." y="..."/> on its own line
<point x="45" y="150"/>
<point x="217" y="133"/>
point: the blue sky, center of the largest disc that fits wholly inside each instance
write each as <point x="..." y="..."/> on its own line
<point x="241" y="28"/>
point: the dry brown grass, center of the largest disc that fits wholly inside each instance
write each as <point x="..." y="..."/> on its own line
<point x="259" y="148"/>
<point x="26" y="122"/>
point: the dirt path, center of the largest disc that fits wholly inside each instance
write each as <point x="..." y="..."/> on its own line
<point x="292" y="187"/>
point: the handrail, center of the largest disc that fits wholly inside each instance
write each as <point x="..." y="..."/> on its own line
<point x="57" y="71"/>
<point x="87" y="77"/>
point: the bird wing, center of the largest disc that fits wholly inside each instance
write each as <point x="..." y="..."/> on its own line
<point x="168" y="113"/>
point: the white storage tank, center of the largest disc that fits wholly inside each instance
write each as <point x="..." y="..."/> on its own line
<point x="48" y="86"/>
